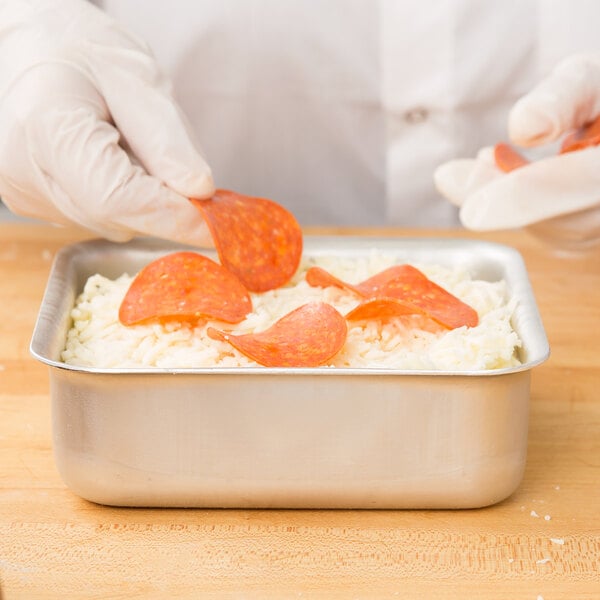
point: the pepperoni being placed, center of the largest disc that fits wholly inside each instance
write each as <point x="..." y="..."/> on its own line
<point x="409" y="286"/>
<point x="587" y="136"/>
<point x="507" y="158"/>
<point x="257" y="239"/>
<point x="184" y="286"/>
<point x="306" y="337"/>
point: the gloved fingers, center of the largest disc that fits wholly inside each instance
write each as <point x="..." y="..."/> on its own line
<point x="64" y="160"/>
<point x="544" y="189"/>
<point x="567" y="99"/>
<point x="28" y="203"/>
<point x="153" y="125"/>
<point x="92" y="180"/>
<point x="459" y="178"/>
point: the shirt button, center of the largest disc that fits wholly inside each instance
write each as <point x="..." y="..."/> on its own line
<point x="416" y="115"/>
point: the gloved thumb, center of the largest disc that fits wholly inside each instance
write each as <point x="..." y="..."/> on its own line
<point x="545" y="189"/>
<point x="459" y="178"/>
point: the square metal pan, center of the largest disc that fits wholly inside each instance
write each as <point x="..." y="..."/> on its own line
<point x="290" y="438"/>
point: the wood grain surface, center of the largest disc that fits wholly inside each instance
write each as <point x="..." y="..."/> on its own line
<point x="542" y="542"/>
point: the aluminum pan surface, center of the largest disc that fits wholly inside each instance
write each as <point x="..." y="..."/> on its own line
<point x="73" y="264"/>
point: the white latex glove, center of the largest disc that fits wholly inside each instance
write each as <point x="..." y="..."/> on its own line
<point x="89" y="131"/>
<point x="559" y="195"/>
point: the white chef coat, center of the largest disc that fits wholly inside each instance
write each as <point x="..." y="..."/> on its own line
<point x="341" y="109"/>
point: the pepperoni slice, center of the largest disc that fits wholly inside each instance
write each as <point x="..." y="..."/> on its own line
<point x="507" y="158"/>
<point x="382" y="308"/>
<point x="306" y="337"/>
<point x="318" y="277"/>
<point x="184" y="286"/>
<point x="257" y="239"/>
<point x="587" y="136"/>
<point x="407" y="286"/>
<point x="435" y="301"/>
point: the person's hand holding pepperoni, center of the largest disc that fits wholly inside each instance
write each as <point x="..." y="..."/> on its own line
<point x="90" y="131"/>
<point x="557" y="196"/>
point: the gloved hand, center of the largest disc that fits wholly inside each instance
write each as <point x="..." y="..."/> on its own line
<point x="557" y="197"/>
<point x="89" y="131"/>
